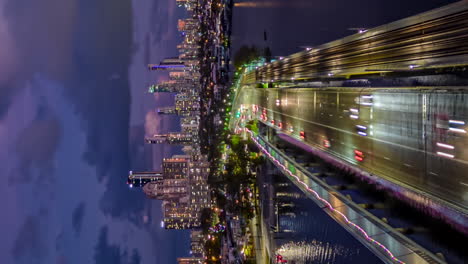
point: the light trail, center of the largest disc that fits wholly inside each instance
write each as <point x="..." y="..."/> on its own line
<point x="360" y="229"/>
<point x="442" y="145"/>
<point x="371" y="138"/>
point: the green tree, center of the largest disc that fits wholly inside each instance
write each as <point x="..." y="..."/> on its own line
<point x="244" y="55"/>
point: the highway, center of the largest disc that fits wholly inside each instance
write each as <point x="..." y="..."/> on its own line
<point x="432" y="40"/>
<point x="416" y="138"/>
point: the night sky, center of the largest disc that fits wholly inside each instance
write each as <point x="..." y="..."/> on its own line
<point x="74" y="109"/>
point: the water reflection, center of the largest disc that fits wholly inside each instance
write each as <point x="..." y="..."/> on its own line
<point x="301" y="231"/>
<point x="312" y="252"/>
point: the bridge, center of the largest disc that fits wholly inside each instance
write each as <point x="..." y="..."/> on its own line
<point x="429" y="43"/>
<point x="389" y="104"/>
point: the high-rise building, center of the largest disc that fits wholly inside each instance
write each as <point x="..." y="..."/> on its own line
<point x="178" y="215"/>
<point x="139" y="179"/>
<point x="173" y="64"/>
<point x="184" y="78"/>
<point x="192" y="260"/>
<point x="187" y="102"/>
<point x="197" y="241"/>
<point x="188" y="25"/>
<point x="168" y="189"/>
<point x="181" y="138"/>
<point x="188" y="4"/>
<point x="190" y="128"/>
<point x="176" y="167"/>
<point x="156" y="88"/>
<point x="181" y="186"/>
<point x="190" y="120"/>
<point x="199" y="193"/>
<point x="167" y="111"/>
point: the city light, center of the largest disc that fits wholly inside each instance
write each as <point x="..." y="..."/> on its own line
<point x="457" y="130"/>
<point x="445" y="146"/>
<point x="302" y="134"/>
<point x="359" y="153"/>
<point x="374" y="78"/>
<point x="445" y="155"/>
<point x="457" y="122"/>
<point x="328" y="204"/>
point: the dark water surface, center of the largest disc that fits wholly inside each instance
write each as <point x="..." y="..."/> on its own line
<point x="306" y="233"/>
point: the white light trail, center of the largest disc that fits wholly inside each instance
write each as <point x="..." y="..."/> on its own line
<point x="361" y="127"/>
<point x="457" y="122"/>
<point x="442" y="145"/>
<point x="443" y="154"/>
<point x="362" y="133"/>
<point x="354" y="116"/>
<point x="457" y="130"/>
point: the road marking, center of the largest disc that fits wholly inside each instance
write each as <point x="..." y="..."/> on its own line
<point x="387" y="158"/>
<point x="435" y="174"/>
<point x="407" y="165"/>
<point x="462" y="183"/>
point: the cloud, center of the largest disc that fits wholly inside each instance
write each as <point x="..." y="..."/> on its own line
<point x="8" y="64"/>
<point x="135" y="258"/>
<point x="48" y="24"/>
<point x="159" y="21"/>
<point x="25" y="22"/>
<point x="152" y="123"/>
<point x="36" y="147"/>
<point x="29" y="243"/>
<point x="78" y="216"/>
<point x="86" y="47"/>
<point x="104" y="252"/>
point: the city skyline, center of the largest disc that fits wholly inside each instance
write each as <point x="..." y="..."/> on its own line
<point x="77" y="101"/>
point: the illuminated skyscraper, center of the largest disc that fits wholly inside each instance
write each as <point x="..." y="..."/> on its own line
<point x="199" y="194"/>
<point x="168" y="189"/>
<point x="173" y="64"/>
<point x="139" y="179"/>
<point x="181" y="186"/>
<point x="188" y="24"/>
<point x="167" y="111"/>
<point x="188" y="4"/>
<point x="179" y="215"/>
<point x="192" y="260"/>
<point x="197" y="243"/>
<point x="187" y="102"/>
<point x="181" y="138"/>
<point x="176" y="167"/>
